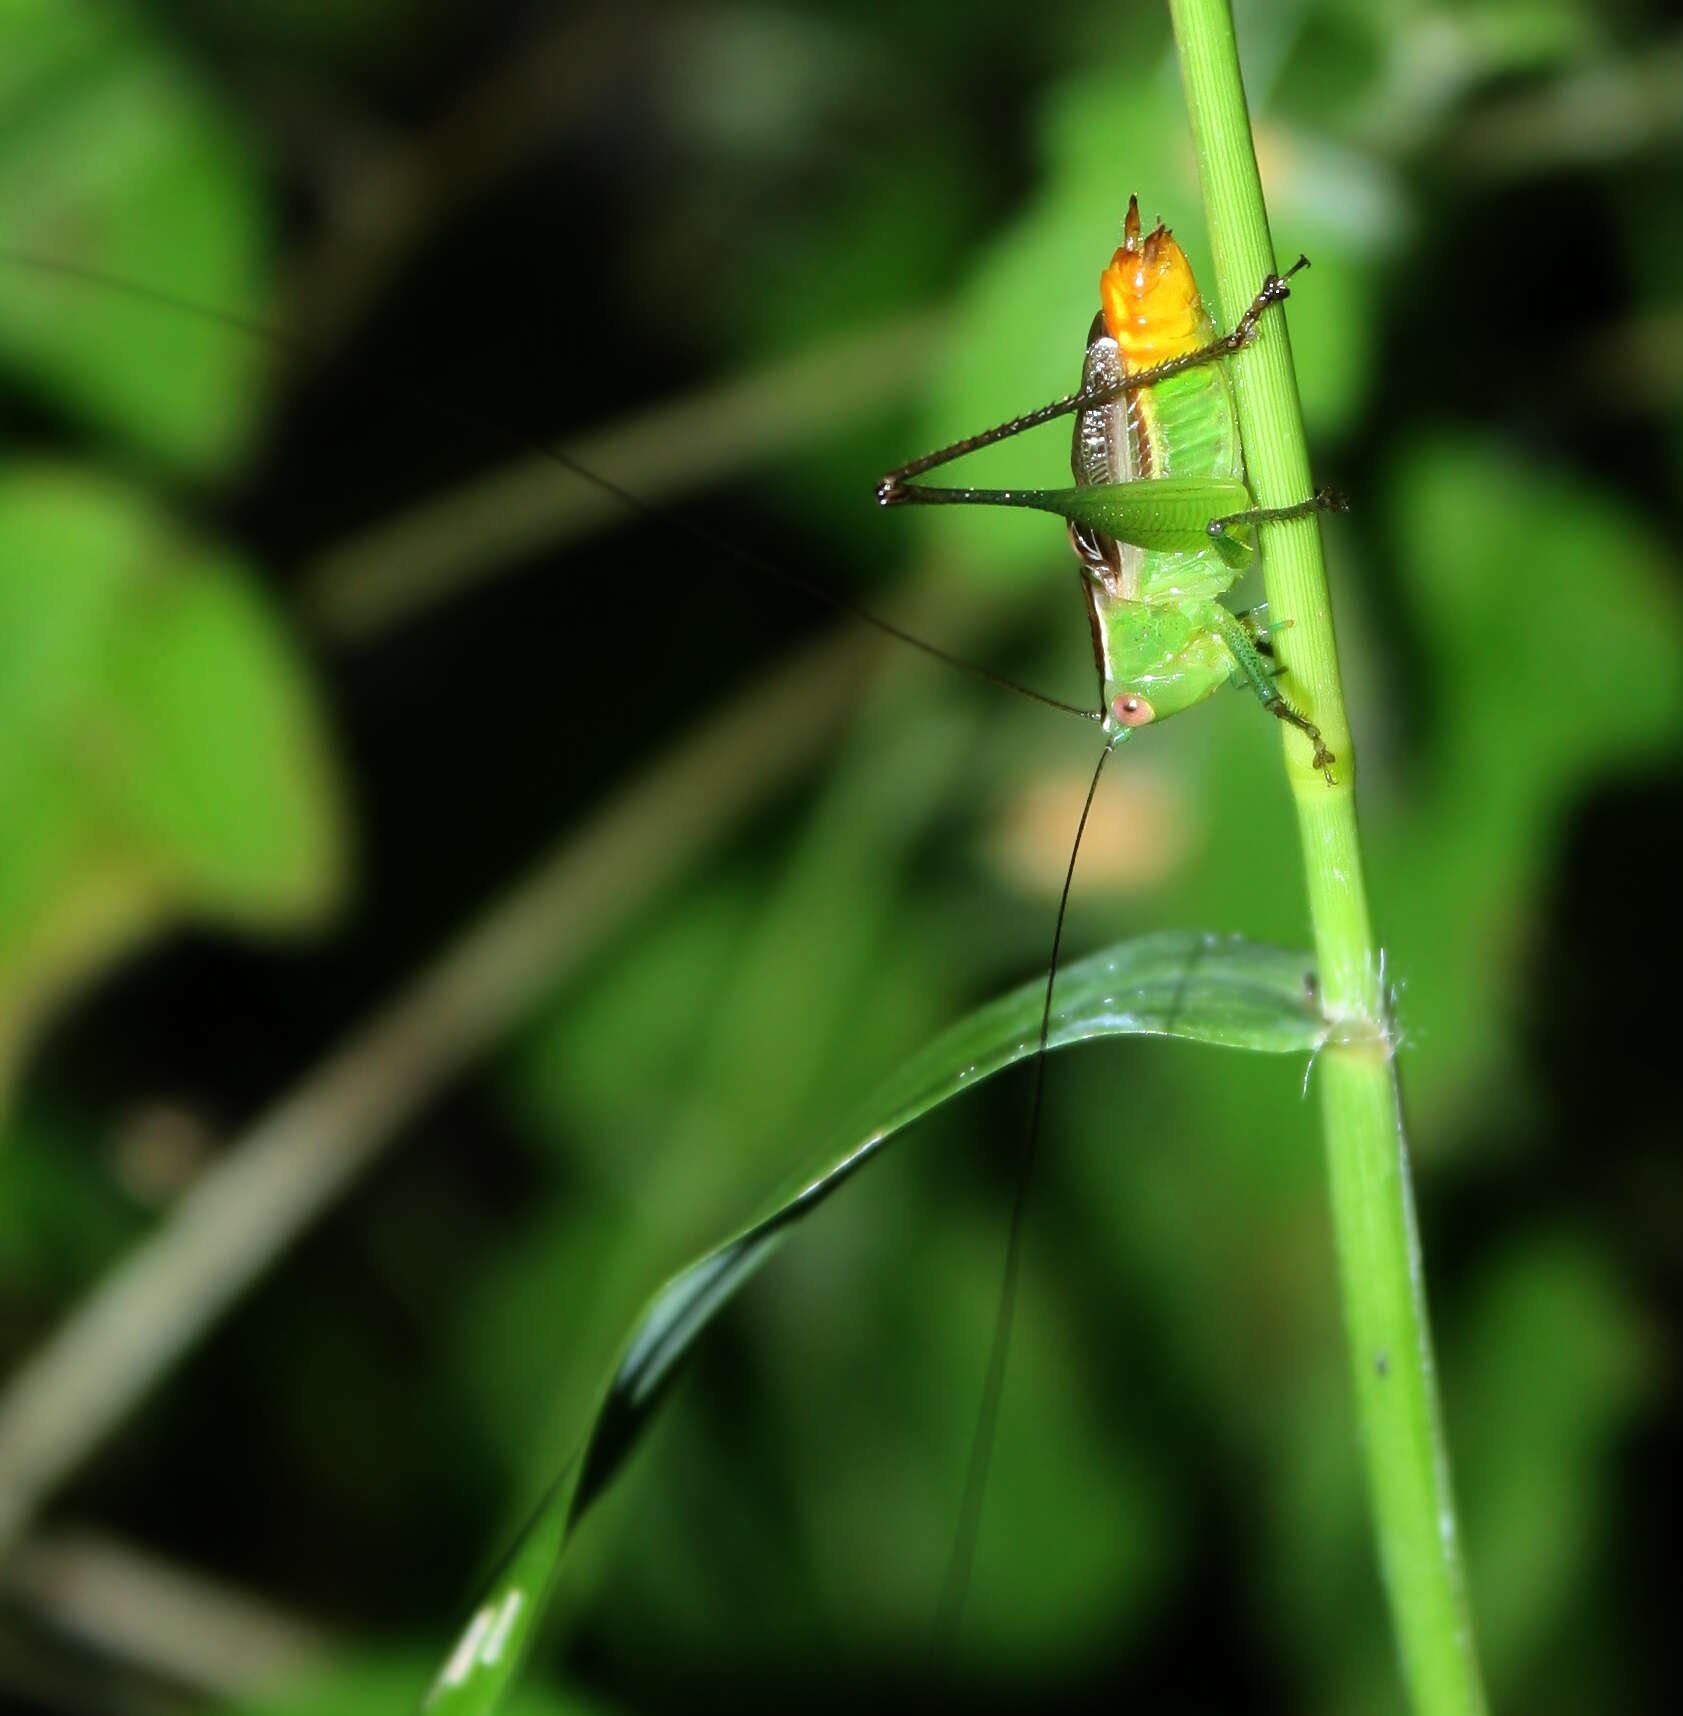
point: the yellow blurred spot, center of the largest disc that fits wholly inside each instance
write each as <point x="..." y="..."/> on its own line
<point x="159" y="1149"/>
<point x="1141" y="828"/>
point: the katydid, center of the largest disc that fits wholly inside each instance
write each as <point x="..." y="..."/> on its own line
<point x="1160" y="512"/>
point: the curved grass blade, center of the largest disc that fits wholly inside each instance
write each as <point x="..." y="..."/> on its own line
<point x="1206" y="989"/>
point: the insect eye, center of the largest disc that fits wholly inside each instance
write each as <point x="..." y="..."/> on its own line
<point x="1132" y="711"/>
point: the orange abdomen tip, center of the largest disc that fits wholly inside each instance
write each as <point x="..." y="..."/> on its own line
<point x="1151" y="304"/>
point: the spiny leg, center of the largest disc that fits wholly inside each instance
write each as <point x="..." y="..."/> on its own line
<point x="1322" y="500"/>
<point x="896" y="487"/>
<point x="1259" y="676"/>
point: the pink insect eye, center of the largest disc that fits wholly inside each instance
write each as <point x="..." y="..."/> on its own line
<point x="1132" y="711"/>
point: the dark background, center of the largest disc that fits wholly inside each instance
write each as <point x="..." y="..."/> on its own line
<point x="742" y="259"/>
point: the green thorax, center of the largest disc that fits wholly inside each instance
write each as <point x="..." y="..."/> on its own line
<point x="1163" y="653"/>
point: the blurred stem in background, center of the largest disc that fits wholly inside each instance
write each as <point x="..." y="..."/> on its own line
<point x="274" y="1182"/>
<point x="1373" y="1212"/>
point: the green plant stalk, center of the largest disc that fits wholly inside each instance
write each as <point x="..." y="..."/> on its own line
<point x="1373" y="1212"/>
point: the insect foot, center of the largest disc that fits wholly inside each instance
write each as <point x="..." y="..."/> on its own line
<point x="890" y="491"/>
<point x="1323" y="759"/>
<point x="1274" y="290"/>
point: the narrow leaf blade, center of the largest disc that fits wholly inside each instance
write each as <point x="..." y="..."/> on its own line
<point x="1207" y="989"/>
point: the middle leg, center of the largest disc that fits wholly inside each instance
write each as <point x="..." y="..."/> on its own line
<point x="1259" y="675"/>
<point x="1322" y="500"/>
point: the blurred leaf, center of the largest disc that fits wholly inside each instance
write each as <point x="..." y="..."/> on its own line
<point x="1201" y="988"/>
<point x="1551" y="630"/>
<point x="1436" y="57"/>
<point x="384" y="32"/>
<point x="667" y="1105"/>
<point x="160" y="753"/>
<point x="113" y="163"/>
<point x="356" y="1685"/>
<point x="1542" y="1378"/>
<point x="62" y="1220"/>
<point x="1348" y="214"/>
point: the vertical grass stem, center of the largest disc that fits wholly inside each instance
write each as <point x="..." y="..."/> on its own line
<point x="1372" y="1205"/>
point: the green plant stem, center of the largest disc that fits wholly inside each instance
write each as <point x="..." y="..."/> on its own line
<point x="1373" y="1211"/>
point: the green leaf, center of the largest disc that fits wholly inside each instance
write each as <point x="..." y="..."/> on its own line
<point x="160" y="751"/>
<point x="1549" y="1323"/>
<point x="115" y="166"/>
<point x="1552" y="662"/>
<point x="1201" y="988"/>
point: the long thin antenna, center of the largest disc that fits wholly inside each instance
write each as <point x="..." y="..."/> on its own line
<point x="295" y="347"/>
<point x="807" y="586"/>
<point x="957" y="1584"/>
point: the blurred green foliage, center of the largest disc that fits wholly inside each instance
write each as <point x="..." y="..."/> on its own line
<point x="158" y="751"/>
<point x="117" y="160"/>
<point x="488" y="223"/>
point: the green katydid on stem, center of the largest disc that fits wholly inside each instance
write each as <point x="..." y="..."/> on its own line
<point x="1160" y="514"/>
